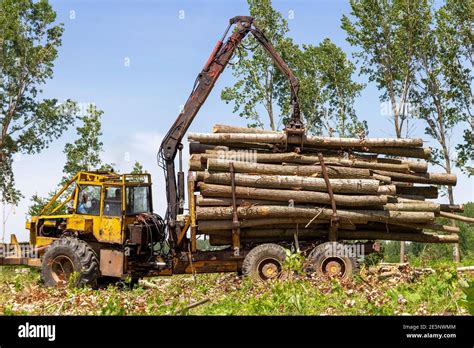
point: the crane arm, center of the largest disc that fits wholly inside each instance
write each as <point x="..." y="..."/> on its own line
<point x="218" y="60"/>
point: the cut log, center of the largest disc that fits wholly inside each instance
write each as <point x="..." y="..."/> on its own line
<point x="382" y="178"/>
<point x="266" y="157"/>
<point x="292" y="157"/>
<point x="217" y="201"/>
<point x="457" y="217"/>
<point x="219" y="165"/>
<point x="354" y="142"/>
<point x="458" y="208"/>
<point x="262" y="236"/>
<point x="195" y="164"/>
<point x="222" y="128"/>
<point x="376" y="196"/>
<point x="412" y="206"/>
<point x="414" y="166"/>
<point x="360" y="186"/>
<point x="196" y="148"/>
<point x="211" y="190"/>
<point x="424" y="153"/>
<point x="428" y="178"/>
<point x="402" y="184"/>
<point x="351" y="216"/>
<point x="277" y="138"/>
<point x="387" y="190"/>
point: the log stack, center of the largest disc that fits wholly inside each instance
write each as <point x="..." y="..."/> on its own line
<point x="263" y="186"/>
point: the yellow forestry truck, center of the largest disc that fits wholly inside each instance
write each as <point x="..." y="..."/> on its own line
<point x="101" y="226"/>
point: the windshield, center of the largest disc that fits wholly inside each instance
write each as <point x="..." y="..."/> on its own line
<point x="138" y="200"/>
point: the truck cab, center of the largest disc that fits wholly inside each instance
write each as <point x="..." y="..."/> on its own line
<point x="110" y="213"/>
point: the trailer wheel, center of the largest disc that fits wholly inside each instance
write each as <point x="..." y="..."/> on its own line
<point x="264" y="262"/>
<point x="323" y="260"/>
<point x="68" y="255"/>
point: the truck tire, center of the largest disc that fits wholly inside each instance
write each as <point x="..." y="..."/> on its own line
<point x="320" y="262"/>
<point x="264" y="262"/>
<point x="68" y="255"/>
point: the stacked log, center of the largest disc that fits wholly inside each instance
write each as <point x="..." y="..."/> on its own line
<point x="265" y="186"/>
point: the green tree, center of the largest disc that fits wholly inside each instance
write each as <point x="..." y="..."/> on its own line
<point x="435" y="252"/>
<point x="38" y="202"/>
<point x="441" y="86"/>
<point x="387" y="33"/>
<point x="29" y="41"/>
<point x="81" y="155"/>
<point x="391" y="251"/>
<point x="84" y="153"/>
<point x="255" y="69"/>
<point x="328" y="91"/>
<point x="454" y="29"/>
<point x="137" y="168"/>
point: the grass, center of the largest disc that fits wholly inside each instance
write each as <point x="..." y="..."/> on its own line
<point x="410" y="292"/>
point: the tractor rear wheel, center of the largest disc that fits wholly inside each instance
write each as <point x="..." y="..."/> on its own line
<point x="67" y="256"/>
<point x="264" y="262"/>
<point x="325" y="260"/>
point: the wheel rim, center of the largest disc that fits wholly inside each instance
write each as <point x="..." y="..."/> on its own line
<point x="334" y="267"/>
<point x="61" y="268"/>
<point x="269" y="269"/>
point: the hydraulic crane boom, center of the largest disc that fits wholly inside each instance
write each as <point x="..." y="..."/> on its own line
<point x="220" y="56"/>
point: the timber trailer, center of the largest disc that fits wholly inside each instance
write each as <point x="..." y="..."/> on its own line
<point x="105" y="229"/>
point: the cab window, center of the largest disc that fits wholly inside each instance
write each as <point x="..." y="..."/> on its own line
<point x="89" y="200"/>
<point x="112" y="201"/>
<point x="138" y="200"/>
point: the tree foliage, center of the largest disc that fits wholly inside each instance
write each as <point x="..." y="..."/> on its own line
<point x="29" y="41"/>
<point x="137" y="168"/>
<point x="81" y="155"/>
<point x="84" y="153"/>
<point x="454" y="27"/>
<point x="420" y="55"/>
<point x="387" y="33"/>
<point x="327" y="92"/>
<point x="443" y="84"/>
<point x="255" y="69"/>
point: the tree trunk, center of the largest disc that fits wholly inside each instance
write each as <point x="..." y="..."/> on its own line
<point x="273" y="169"/>
<point x="359" y="186"/>
<point x="210" y="190"/>
<point x="457" y="217"/>
<point x="415" y="166"/>
<point x="456" y="247"/>
<point x="418" y="206"/>
<point x="350" y="216"/>
<point x="222" y="201"/>
<point x="292" y="157"/>
<point x="428" y="178"/>
<point x="277" y="138"/>
<point x="222" y="128"/>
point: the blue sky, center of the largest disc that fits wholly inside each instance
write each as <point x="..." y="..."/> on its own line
<point x="137" y="61"/>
